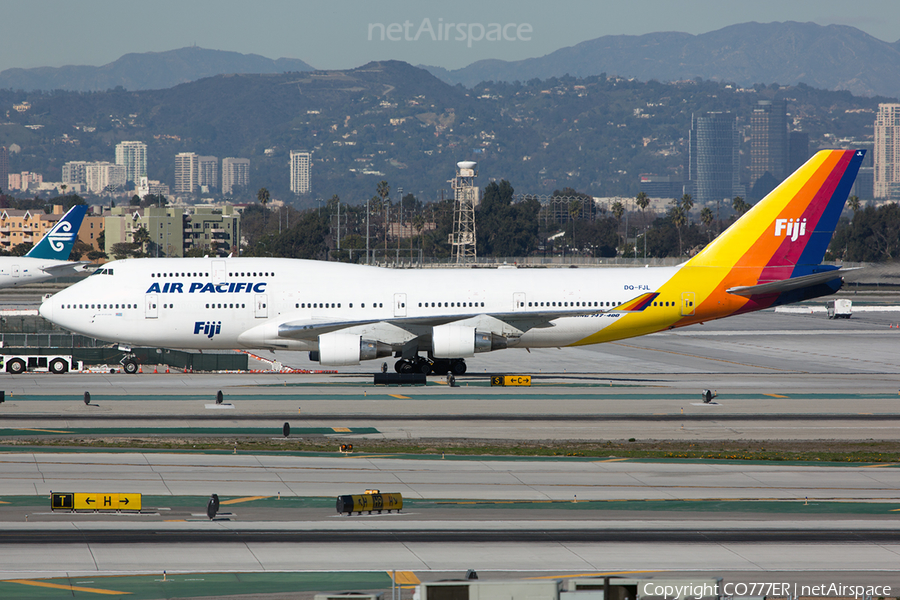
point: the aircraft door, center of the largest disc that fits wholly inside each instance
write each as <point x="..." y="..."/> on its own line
<point x="151" y="311"/>
<point x="219" y="272"/>
<point x="687" y="304"/>
<point x="518" y="301"/>
<point x="262" y="310"/>
<point x="399" y="305"/>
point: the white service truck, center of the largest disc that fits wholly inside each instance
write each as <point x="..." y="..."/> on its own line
<point x="840" y="309"/>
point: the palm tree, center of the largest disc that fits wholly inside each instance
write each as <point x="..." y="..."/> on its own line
<point x="418" y="222"/>
<point x="642" y="201"/>
<point x="263" y="196"/>
<point x="687" y="203"/>
<point x="740" y="206"/>
<point x="383" y="190"/>
<point x="679" y="219"/>
<point x="707" y="217"/>
<point x="618" y="211"/>
<point x="574" y="211"/>
<point x="853" y="204"/>
<point x="141" y="237"/>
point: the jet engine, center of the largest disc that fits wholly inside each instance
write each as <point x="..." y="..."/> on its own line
<point x="461" y="341"/>
<point x="340" y="349"/>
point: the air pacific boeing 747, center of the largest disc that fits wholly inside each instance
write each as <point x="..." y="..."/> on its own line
<point x="432" y="320"/>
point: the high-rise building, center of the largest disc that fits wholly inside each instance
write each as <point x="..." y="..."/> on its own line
<point x="207" y="171"/>
<point x="132" y="156"/>
<point x="100" y="177"/>
<point x="300" y="171"/>
<point x="769" y="140"/>
<point x="235" y="174"/>
<point x="4" y="168"/>
<point x="798" y="150"/>
<point x="187" y="172"/>
<point x="887" y="152"/>
<point x="714" y="158"/>
<point x="74" y="172"/>
<point x="660" y="186"/>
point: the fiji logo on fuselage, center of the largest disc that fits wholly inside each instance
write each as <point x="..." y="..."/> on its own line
<point x="790" y="228"/>
<point x="60" y="235"/>
<point x="207" y="328"/>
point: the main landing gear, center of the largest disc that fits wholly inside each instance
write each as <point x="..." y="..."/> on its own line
<point x="439" y="366"/>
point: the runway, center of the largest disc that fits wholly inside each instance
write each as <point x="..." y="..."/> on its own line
<point x="778" y="377"/>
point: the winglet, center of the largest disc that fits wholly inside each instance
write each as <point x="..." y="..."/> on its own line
<point x="637" y="304"/>
<point x="57" y="243"/>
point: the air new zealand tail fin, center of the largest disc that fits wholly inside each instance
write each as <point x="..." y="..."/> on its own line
<point x="57" y="243"/>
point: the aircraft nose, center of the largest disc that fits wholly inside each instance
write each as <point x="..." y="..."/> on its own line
<point x="46" y="309"/>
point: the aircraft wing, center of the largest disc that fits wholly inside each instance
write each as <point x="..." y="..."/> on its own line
<point x="310" y="329"/>
<point x="787" y="285"/>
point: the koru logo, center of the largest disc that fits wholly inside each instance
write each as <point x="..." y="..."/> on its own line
<point x="790" y="228"/>
<point x="60" y="234"/>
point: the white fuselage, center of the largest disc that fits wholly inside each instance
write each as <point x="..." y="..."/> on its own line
<point x="19" y="270"/>
<point x="241" y="302"/>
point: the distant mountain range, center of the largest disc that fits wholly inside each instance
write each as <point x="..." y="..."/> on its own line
<point x="147" y="71"/>
<point x="832" y="57"/>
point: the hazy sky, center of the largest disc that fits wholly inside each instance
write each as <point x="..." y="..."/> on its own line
<point x="335" y="34"/>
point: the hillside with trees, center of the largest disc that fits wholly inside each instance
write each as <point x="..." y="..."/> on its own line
<point x="391" y="121"/>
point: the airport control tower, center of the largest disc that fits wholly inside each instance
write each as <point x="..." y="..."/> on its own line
<point x="466" y="194"/>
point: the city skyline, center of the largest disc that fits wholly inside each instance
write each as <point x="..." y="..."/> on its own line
<point x="337" y="35"/>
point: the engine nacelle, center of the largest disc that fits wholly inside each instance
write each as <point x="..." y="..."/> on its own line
<point x="340" y="349"/>
<point x="485" y="341"/>
<point x="462" y="341"/>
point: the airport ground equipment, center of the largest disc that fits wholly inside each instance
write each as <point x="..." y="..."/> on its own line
<point x="400" y="379"/>
<point x="546" y="589"/>
<point x="360" y="503"/>
<point x="840" y="309"/>
<point x="41" y="363"/>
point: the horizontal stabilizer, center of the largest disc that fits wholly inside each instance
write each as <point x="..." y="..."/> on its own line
<point x="64" y="268"/>
<point x="787" y="285"/>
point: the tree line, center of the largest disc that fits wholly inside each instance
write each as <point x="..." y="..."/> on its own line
<point x="406" y="229"/>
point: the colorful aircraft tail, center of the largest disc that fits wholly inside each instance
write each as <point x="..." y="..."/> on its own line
<point x="786" y="234"/>
<point x="57" y="243"/>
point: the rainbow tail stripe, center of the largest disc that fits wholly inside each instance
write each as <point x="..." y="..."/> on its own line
<point x="637" y="304"/>
<point x="786" y="234"/>
<point x="769" y="256"/>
